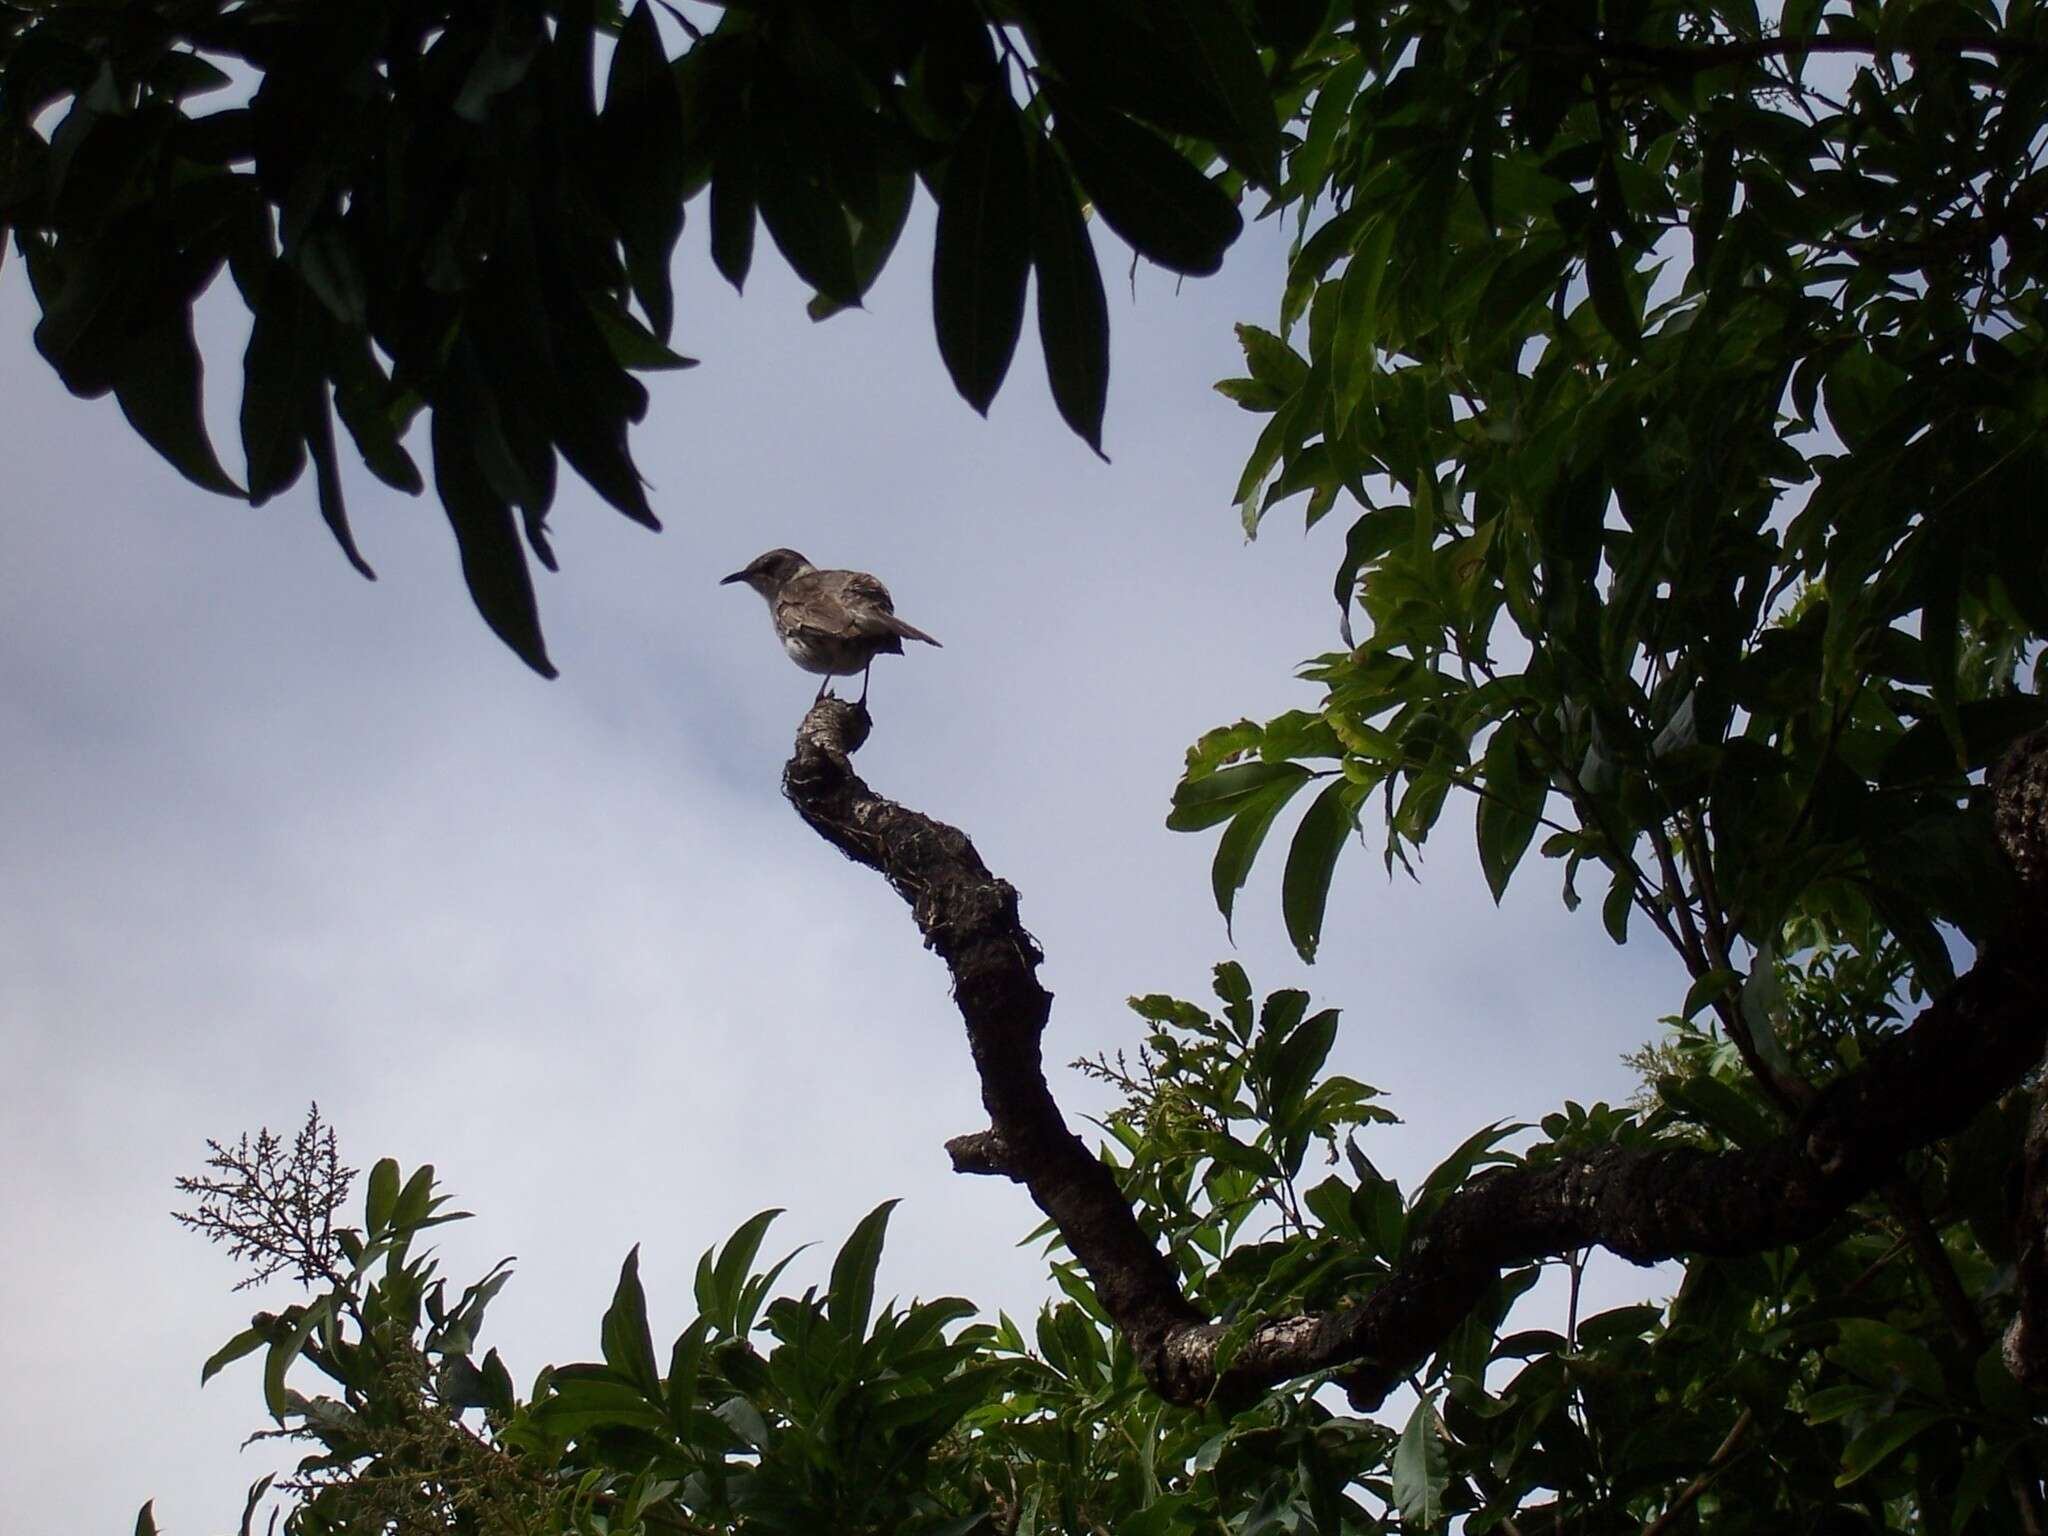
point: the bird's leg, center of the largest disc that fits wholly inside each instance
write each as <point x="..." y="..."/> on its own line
<point x="864" y="671"/>
<point x="821" y="691"/>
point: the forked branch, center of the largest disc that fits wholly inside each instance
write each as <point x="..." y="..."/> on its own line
<point x="1972" y="1044"/>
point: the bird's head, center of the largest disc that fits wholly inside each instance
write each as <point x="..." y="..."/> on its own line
<point x="766" y="573"/>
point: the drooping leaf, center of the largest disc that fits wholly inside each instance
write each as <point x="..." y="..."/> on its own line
<point x="642" y="155"/>
<point x="1169" y="211"/>
<point x="982" y="251"/>
<point x="1312" y="860"/>
<point x="159" y="389"/>
<point x="1073" y="311"/>
<point x="1251" y="817"/>
<point x="493" y="563"/>
<point x="1421" y="1469"/>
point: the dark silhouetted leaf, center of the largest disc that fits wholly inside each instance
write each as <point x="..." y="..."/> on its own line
<point x="159" y="390"/>
<point x="327" y="481"/>
<point x="732" y="215"/>
<point x="643" y="161"/>
<point x="1073" y="312"/>
<point x="1169" y="211"/>
<point x="493" y="563"/>
<point x="982" y="253"/>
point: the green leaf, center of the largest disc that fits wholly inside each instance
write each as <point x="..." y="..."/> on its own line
<point x="1708" y="989"/>
<point x="1298" y="1062"/>
<point x="416" y="1200"/>
<point x="1514" y="793"/>
<point x="1354" y="345"/>
<point x="1620" y="901"/>
<point x="382" y="1197"/>
<point x="1312" y="860"/>
<point x="719" y="1283"/>
<point x="1241" y="840"/>
<point x="247" y="1342"/>
<point x="982" y="250"/>
<point x="1272" y="361"/>
<point x="1885" y="1356"/>
<point x="1218" y="796"/>
<point x="1877" y="1444"/>
<point x="1169" y="212"/>
<point x="284" y="1349"/>
<point x="1608" y="289"/>
<point x="1073" y="312"/>
<point x="1421" y="1469"/>
<point x="852" y="1296"/>
<point x="1720" y="1107"/>
<point x="628" y="1344"/>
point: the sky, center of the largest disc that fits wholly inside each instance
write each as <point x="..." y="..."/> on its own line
<point x="274" y="834"/>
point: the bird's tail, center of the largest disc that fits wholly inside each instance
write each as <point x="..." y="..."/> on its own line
<point x="908" y="631"/>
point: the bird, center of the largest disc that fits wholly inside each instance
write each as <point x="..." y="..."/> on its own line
<point x="834" y="622"/>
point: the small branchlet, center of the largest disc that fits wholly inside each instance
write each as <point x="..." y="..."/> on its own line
<point x="273" y="1207"/>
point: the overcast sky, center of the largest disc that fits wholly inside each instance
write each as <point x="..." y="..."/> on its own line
<point x="272" y="833"/>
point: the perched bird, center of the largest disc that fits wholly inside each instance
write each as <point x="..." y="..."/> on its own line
<point x="834" y="622"/>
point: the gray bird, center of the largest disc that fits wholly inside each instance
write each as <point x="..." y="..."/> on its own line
<point x="834" y="622"/>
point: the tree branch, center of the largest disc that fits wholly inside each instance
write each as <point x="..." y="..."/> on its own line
<point x="1645" y="1204"/>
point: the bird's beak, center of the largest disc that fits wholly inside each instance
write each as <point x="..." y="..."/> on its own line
<point x="726" y="581"/>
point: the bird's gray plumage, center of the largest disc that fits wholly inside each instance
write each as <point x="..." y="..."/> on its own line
<point x="830" y="622"/>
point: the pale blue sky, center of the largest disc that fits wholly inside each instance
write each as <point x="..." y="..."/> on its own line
<point x="274" y="833"/>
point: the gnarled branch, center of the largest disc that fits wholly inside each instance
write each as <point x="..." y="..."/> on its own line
<point x="1645" y="1204"/>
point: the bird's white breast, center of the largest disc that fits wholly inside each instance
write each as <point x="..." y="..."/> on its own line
<point x="816" y="659"/>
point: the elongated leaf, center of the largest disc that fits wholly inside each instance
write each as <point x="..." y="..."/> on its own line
<point x="1216" y="797"/>
<point x="1239" y="846"/>
<point x="642" y="157"/>
<point x="1883" y="1440"/>
<point x="1169" y="211"/>
<point x="381" y="1197"/>
<point x="982" y="251"/>
<point x="1312" y="860"/>
<point x="718" y="1287"/>
<point x="327" y="481"/>
<point x="1073" y="312"/>
<point x="1421" y="1469"/>
<point x="159" y="390"/>
<point x="628" y="1344"/>
<point x="493" y="563"/>
<point x="1608" y="288"/>
<point x="278" y="372"/>
<point x="247" y="1342"/>
<point x="1207" y="44"/>
<point x="1510" y="807"/>
<point x="732" y="214"/>
<point x="852" y="1298"/>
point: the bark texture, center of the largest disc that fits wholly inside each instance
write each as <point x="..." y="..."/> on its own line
<point x="1973" y="1043"/>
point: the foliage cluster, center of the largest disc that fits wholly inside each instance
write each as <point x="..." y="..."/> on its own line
<point x="1682" y="364"/>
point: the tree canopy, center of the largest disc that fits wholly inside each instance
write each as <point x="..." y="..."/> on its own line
<point x="1678" y="368"/>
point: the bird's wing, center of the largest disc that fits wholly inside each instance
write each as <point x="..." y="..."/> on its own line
<point x="842" y="604"/>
